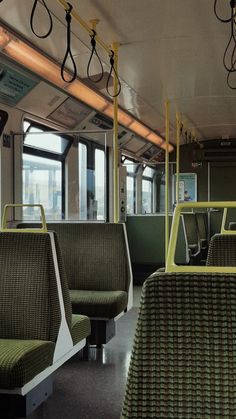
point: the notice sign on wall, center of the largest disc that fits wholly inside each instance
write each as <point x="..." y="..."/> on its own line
<point x="187" y="187"/>
<point x="13" y="85"/>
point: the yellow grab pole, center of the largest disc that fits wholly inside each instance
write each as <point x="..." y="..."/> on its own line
<point x="77" y="17"/>
<point x="167" y="135"/>
<point x="177" y="157"/>
<point x="115" y="46"/>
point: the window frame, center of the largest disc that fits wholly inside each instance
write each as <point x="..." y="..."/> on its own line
<point x="49" y="155"/>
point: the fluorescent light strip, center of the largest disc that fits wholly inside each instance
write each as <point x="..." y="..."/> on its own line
<point x="33" y="60"/>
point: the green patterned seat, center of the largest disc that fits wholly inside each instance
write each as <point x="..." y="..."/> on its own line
<point x="21" y="360"/>
<point x="30" y="314"/>
<point x="222" y="250"/>
<point x="106" y="304"/>
<point x="96" y="263"/>
<point x="183" y="360"/>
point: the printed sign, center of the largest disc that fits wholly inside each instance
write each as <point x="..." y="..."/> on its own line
<point x="13" y="85"/>
<point x="187" y="187"/>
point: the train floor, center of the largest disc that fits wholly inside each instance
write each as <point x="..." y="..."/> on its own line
<point x="94" y="389"/>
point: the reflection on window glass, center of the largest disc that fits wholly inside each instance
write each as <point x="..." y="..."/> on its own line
<point x="82" y="181"/>
<point x="99" y="202"/>
<point x="130" y="194"/>
<point x="42" y="184"/>
<point x="146" y="196"/>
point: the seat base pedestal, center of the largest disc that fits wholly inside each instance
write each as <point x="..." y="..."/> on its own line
<point x="101" y="331"/>
<point x="15" y="405"/>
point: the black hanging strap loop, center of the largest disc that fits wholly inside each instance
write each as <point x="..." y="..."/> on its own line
<point x="68" y="49"/>
<point x="32" y="16"/>
<point x="94" y="52"/>
<point x="112" y="69"/>
<point x="233" y="14"/>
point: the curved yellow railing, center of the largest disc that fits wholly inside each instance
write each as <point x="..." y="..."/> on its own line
<point x="170" y="261"/>
<point x="4" y="227"/>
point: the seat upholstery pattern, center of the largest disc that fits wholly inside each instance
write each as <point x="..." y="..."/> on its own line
<point x="184" y="353"/>
<point x="222" y="250"/>
<point x="106" y="304"/>
<point x="20" y="360"/>
<point x="81" y="328"/>
<point x="94" y="255"/>
<point x="29" y="304"/>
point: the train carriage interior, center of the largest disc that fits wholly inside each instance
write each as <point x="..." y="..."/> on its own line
<point x="118" y="209"/>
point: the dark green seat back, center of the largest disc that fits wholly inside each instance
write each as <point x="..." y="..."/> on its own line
<point x="222" y="250"/>
<point x="183" y="360"/>
<point x="94" y="254"/>
<point x="29" y="305"/>
<point x="201" y="224"/>
<point x="191" y="229"/>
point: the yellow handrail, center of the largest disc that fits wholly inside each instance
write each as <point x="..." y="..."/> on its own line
<point x="223" y="230"/>
<point x="25" y="230"/>
<point x="167" y="134"/>
<point x="170" y="262"/>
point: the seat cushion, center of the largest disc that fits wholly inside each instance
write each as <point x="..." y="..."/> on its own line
<point x="22" y="360"/>
<point x="81" y="328"/>
<point x="107" y="304"/>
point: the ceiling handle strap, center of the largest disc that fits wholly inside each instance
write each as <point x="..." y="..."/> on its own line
<point x="68" y="49"/>
<point x="233" y="14"/>
<point x="112" y="69"/>
<point x="94" y="52"/>
<point x="32" y="16"/>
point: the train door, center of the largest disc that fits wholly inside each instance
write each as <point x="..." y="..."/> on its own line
<point x="221" y="188"/>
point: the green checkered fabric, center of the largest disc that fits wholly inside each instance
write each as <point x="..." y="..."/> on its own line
<point x="81" y="328"/>
<point x="94" y="255"/>
<point x="106" y="304"/>
<point x="222" y="250"/>
<point x="183" y="360"/>
<point x="21" y="360"/>
<point x="29" y="305"/>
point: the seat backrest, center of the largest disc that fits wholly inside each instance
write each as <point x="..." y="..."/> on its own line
<point x="201" y="224"/>
<point x="94" y="254"/>
<point x="183" y="359"/>
<point x="191" y="228"/>
<point x="29" y="303"/>
<point x="232" y="225"/>
<point x="222" y="250"/>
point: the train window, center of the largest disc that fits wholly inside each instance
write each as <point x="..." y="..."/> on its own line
<point x="42" y="183"/>
<point x="92" y="181"/>
<point x="48" y="142"/>
<point x="82" y="181"/>
<point x="147" y="190"/>
<point x="100" y="183"/>
<point x="43" y="176"/>
<point x="130" y="185"/>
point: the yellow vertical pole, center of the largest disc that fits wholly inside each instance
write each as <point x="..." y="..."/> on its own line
<point x="167" y="135"/>
<point x="115" y="46"/>
<point x="177" y="156"/>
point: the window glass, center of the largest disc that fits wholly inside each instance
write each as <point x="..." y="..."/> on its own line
<point x="42" y="184"/>
<point x="82" y="181"/>
<point x="130" y="194"/>
<point x="148" y="172"/>
<point x="99" y="202"/>
<point x="146" y="196"/>
<point x="48" y="142"/>
<point x="131" y="166"/>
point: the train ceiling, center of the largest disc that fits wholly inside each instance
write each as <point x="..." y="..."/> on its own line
<point x="169" y="50"/>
